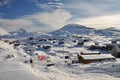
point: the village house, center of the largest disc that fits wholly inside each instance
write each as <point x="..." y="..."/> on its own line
<point x="93" y="57"/>
<point x="115" y="47"/>
<point x="116" y="50"/>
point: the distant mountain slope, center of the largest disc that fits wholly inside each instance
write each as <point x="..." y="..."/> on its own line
<point x="71" y="29"/>
<point x="108" y="32"/>
<point x="22" y="33"/>
<point x="3" y="32"/>
<point x="67" y="30"/>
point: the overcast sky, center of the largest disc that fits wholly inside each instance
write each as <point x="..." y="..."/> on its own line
<point x="49" y="15"/>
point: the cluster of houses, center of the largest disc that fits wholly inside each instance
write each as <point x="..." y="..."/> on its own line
<point x="88" y="57"/>
<point x="84" y="57"/>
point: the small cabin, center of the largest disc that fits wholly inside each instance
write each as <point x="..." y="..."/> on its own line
<point x="6" y="41"/>
<point x="61" y="42"/>
<point x="46" y="47"/>
<point x="80" y="43"/>
<point x="86" y="59"/>
<point x="30" y="38"/>
<point x="116" y="50"/>
<point x="100" y="47"/>
<point x="15" y="45"/>
<point x="43" y="39"/>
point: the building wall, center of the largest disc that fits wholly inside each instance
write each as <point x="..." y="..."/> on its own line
<point x="115" y="53"/>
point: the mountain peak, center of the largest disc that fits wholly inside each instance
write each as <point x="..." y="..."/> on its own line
<point x="22" y="30"/>
<point x="70" y="29"/>
<point x="75" y="26"/>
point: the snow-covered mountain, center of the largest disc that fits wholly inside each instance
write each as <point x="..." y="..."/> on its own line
<point x="67" y="30"/>
<point x="73" y="29"/>
<point x="108" y="32"/>
<point x="3" y="32"/>
<point x="21" y="33"/>
<point x="55" y="47"/>
<point x="77" y="29"/>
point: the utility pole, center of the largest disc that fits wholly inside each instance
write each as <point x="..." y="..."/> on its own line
<point x="63" y="47"/>
<point x="0" y="37"/>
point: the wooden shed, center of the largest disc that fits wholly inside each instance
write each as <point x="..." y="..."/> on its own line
<point x="93" y="58"/>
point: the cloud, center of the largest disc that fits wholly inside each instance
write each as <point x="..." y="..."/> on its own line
<point x="100" y="22"/>
<point x="33" y="0"/>
<point x="97" y="14"/>
<point x="46" y="21"/>
<point x="51" y="5"/>
<point x="55" y="4"/>
<point x="86" y="8"/>
<point x="51" y="20"/>
<point x="15" y="24"/>
<point x="83" y="8"/>
<point x="5" y="3"/>
<point x="92" y="8"/>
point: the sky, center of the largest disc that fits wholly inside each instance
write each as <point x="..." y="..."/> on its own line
<point x="50" y="15"/>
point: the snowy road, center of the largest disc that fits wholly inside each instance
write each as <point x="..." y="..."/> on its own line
<point x="12" y="70"/>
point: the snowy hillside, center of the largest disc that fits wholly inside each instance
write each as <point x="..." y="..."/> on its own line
<point x="11" y="66"/>
<point x="77" y="29"/>
<point x="54" y="56"/>
<point x="3" y="32"/>
<point x="65" y="31"/>
<point x="14" y="65"/>
<point x="21" y="34"/>
<point x="71" y="29"/>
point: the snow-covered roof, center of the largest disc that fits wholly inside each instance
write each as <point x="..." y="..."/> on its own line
<point x="39" y="52"/>
<point x="116" y="39"/>
<point x="30" y="47"/>
<point x="90" y="52"/>
<point x="97" y="57"/>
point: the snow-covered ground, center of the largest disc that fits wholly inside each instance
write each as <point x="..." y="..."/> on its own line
<point x="14" y="68"/>
<point x="3" y="32"/>
<point x="11" y="67"/>
<point x="53" y="47"/>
